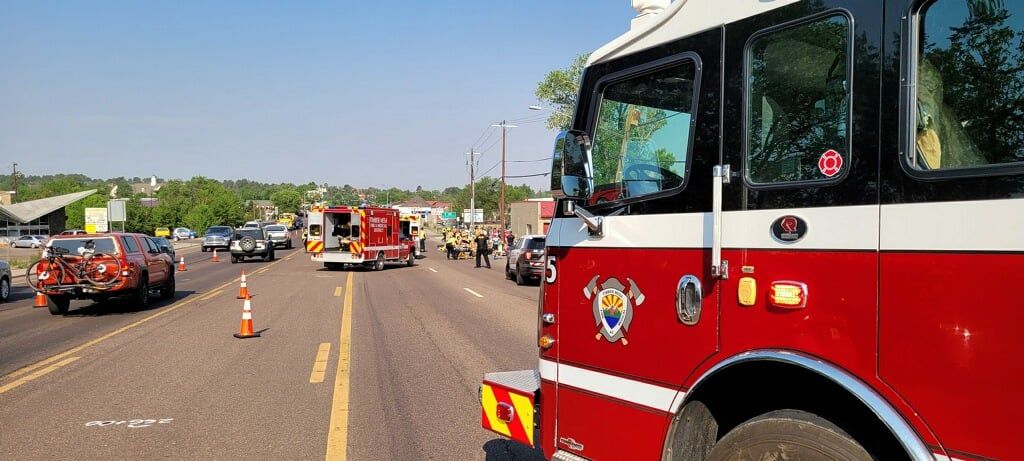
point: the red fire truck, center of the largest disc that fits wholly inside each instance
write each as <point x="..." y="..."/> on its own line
<point x="371" y="236"/>
<point x="788" y="230"/>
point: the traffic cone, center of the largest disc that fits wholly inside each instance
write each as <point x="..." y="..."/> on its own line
<point x="245" y="329"/>
<point x="181" y="266"/>
<point x="40" y="300"/>
<point x="243" y="290"/>
<point x="215" y="258"/>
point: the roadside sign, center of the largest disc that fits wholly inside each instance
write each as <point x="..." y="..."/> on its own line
<point x="476" y="217"/>
<point x="96" y="220"/>
<point x="449" y="215"/>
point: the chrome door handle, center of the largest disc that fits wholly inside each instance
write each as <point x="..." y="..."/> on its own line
<point x="689" y="298"/>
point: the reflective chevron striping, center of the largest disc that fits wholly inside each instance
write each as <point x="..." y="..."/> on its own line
<point x="520" y="428"/>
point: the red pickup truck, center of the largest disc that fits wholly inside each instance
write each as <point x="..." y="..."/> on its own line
<point x="102" y="266"/>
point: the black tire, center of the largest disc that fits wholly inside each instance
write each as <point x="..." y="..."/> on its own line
<point x="288" y="245"/>
<point x="204" y="249"/>
<point x="788" y="434"/>
<point x="58" y="305"/>
<point x="379" y="264"/>
<point x="412" y="259"/>
<point x="508" y="271"/>
<point x="234" y="259"/>
<point x="247" y="244"/>
<point x="141" y="296"/>
<point x="167" y="291"/>
<point x="519" y="276"/>
<point x="5" y="289"/>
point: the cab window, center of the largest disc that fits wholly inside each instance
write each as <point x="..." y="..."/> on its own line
<point x="798" y="103"/>
<point x="129" y="244"/>
<point x="968" y="112"/>
<point x="643" y="133"/>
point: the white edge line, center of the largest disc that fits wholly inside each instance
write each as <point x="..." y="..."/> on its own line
<point x="478" y="295"/>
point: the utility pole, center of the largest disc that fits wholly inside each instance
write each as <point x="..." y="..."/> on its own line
<point x="14" y="181"/>
<point x="501" y="203"/>
<point x="472" y="187"/>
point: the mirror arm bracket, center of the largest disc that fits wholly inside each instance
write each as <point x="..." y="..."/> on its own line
<point x="595" y="223"/>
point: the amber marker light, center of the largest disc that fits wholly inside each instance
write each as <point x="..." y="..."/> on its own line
<point x="546" y="341"/>
<point x="788" y="295"/>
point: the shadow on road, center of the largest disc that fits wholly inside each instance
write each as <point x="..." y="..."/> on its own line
<point x="504" y="449"/>
<point x="125" y="306"/>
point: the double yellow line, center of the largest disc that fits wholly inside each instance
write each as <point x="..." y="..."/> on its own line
<point x="337" y="433"/>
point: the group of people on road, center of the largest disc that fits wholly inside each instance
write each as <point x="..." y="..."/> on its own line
<point x="480" y="242"/>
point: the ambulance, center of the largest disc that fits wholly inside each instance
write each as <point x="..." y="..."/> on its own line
<point x="786" y="229"/>
<point x="339" y="237"/>
<point x="411" y="225"/>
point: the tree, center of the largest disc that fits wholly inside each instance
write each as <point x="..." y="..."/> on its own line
<point x="287" y="200"/>
<point x="560" y="89"/>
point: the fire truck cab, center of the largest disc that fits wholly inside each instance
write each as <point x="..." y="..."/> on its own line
<point x="342" y="236"/>
<point x="786" y="230"/>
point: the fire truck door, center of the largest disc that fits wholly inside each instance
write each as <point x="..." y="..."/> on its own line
<point x="799" y="227"/>
<point x="638" y="309"/>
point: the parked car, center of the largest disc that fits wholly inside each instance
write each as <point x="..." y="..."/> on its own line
<point x="5" y="281"/>
<point x="180" y="233"/>
<point x="279" y="236"/>
<point x="73" y="232"/>
<point x="139" y="268"/>
<point x="252" y="224"/>
<point x="250" y="242"/>
<point x="166" y="246"/>
<point x="525" y="259"/>
<point x="29" y="241"/>
<point x="217" y="237"/>
<point x="162" y="232"/>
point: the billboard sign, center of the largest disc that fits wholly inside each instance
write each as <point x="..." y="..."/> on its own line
<point x="96" y="220"/>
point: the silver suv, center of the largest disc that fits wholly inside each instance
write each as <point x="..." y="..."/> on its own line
<point x="251" y="243"/>
<point x="278" y="234"/>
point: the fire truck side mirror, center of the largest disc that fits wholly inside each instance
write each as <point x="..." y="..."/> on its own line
<point x="570" y="165"/>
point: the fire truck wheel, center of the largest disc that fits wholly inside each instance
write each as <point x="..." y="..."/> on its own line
<point x="788" y="434"/>
<point x="379" y="264"/>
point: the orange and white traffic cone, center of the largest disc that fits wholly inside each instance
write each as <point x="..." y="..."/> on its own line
<point x="181" y="266"/>
<point x="215" y="258"/>
<point x="40" y="300"/>
<point x="243" y="290"/>
<point x="245" y="329"/>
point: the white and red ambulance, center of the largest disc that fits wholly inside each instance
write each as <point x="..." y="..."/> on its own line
<point x="788" y="230"/>
<point x="342" y="236"/>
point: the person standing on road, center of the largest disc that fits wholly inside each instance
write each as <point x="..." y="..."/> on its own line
<point x="450" y="246"/>
<point x="423" y="240"/>
<point x="482" y="249"/>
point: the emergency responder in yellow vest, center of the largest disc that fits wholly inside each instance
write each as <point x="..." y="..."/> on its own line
<point x="450" y="246"/>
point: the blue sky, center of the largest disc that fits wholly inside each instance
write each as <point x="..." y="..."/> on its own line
<point x="367" y="93"/>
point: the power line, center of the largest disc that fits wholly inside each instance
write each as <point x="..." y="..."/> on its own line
<point x="529" y="175"/>
<point x="530" y="161"/>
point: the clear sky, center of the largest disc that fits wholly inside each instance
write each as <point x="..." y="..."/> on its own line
<point x="367" y="93"/>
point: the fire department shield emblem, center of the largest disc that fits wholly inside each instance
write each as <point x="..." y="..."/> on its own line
<point x="613" y="306"/>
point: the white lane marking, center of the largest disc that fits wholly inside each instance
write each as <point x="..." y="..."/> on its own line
<point x="478" y="295"/>
<point x="432" y="269"/>
<point x="132" y="423"/>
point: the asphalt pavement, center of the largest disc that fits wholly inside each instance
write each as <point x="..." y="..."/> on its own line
<point x="350" y="365"/>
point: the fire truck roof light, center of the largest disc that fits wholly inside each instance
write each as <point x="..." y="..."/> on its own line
<point x="788" y="295"/>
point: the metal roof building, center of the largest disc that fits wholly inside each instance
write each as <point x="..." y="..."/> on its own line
<point x="38" y="217"/>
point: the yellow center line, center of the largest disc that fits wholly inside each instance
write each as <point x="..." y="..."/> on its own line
<point x="93" y="342"/>
<point x="320" y="363"/>
<point x="337" y="292"/>
<point x="337" y="432"/>
<point x="13" y="384"/>
<point x="208" y="296"/>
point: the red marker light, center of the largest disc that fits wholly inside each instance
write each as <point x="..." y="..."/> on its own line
<point x="504" y="412"/>
<point x="788" y="295"/>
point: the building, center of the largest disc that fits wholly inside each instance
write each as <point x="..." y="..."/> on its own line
<point x="38" y="217"/>
<point x="532" y="216"/>
<point x="417" y="206"/>
<point x="147" y="189"/>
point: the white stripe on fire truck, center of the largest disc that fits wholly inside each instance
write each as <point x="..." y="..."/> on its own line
<point x="383" y="248"/>
<point x="942" y="457"/>
<point x="983" y="225"/>
<point x="640" y="393"/>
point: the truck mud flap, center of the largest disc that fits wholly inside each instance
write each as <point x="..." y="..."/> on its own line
<point x="507" y="404"/>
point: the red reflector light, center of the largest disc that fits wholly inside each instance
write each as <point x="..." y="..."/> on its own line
<point x="788" y="295"/>
<point x="504" y="412"/>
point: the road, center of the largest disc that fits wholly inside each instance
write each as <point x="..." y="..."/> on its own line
<point x="350" y="365"/>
